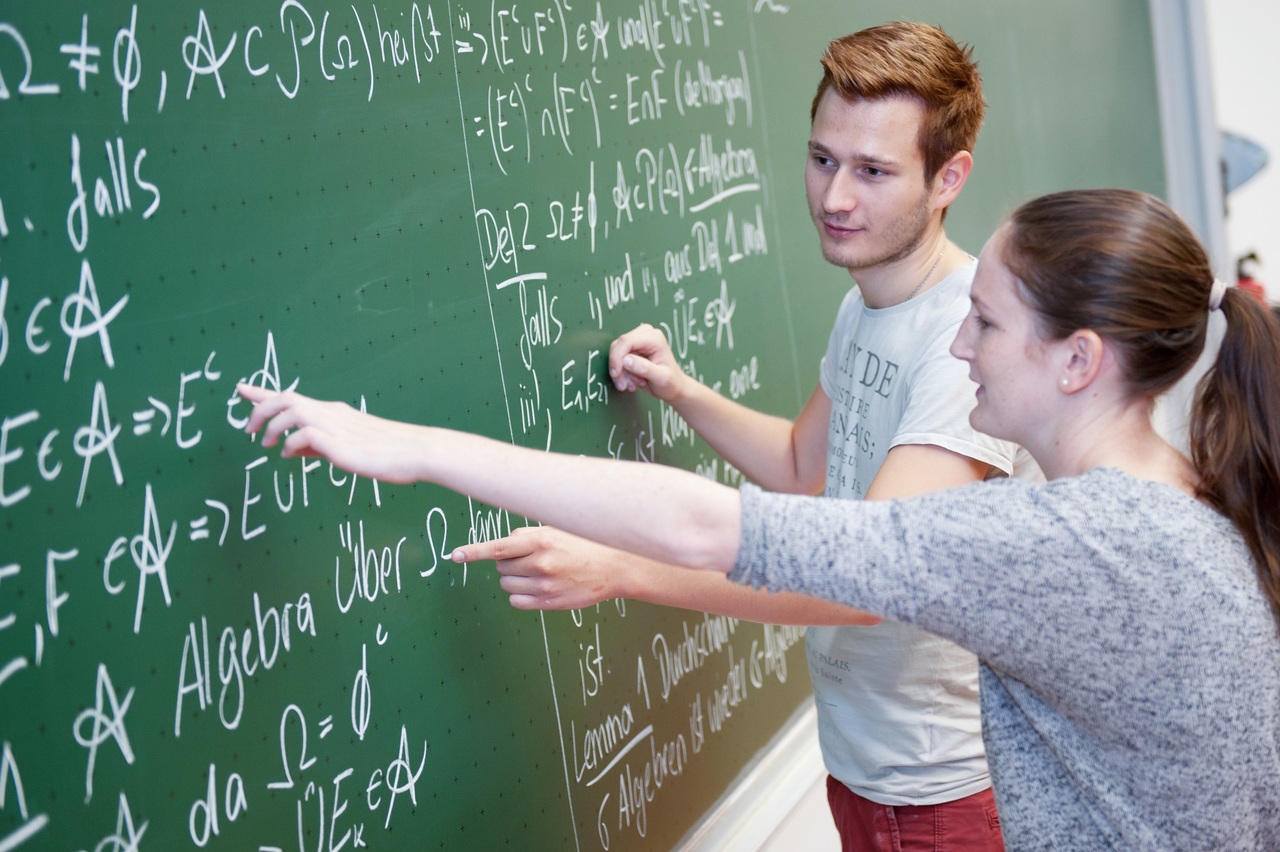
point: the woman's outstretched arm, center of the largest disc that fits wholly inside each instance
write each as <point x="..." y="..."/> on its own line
<point x="653" y="510"/>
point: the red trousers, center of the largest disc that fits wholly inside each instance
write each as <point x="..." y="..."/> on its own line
<point x="965" y="825"/>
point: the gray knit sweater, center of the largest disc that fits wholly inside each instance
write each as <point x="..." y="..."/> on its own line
<point x="1130" y="667"/>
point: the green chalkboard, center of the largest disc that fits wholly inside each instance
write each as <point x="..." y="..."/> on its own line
<point x="442" y="211"/>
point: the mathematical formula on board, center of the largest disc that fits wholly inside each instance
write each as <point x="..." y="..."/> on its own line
<point x="438" y="211"/>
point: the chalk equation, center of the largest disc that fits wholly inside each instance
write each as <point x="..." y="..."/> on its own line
<point x="439" y="211"/>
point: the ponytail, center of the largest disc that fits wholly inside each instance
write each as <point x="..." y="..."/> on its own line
<point x="1235" y="434"/>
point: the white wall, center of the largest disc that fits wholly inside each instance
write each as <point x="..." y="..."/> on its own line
<point x="1245" y="65"/>
<point x="809" y="826"/>
<point x="778" y="803"/>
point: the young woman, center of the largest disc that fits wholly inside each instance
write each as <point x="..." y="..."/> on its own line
<point x="1125" y="613"/>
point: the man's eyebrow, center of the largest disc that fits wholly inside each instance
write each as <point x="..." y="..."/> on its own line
<point x="816" y="147"/>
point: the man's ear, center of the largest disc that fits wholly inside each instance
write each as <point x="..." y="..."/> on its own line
<point x="951" y="178"/>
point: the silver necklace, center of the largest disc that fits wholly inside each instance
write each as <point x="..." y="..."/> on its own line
<point x="927" y="274"/>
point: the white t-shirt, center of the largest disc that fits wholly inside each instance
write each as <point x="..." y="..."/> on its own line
<point x="897" y="707"/>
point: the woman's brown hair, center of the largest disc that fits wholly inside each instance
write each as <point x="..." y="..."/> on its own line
<point x="1126" y="266"/>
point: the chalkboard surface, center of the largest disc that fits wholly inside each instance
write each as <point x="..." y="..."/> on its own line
<point x="442" y="212"/>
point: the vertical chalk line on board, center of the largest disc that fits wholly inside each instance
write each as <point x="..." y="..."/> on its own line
<point x="779" y="244"/>
<point x="493" y="321"/>
<point x="471" y="187"/>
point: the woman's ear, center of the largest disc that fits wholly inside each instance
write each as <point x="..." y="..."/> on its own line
<point x="1084" y="352"/>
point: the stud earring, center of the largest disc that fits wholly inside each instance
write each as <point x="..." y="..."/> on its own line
<point x="1064" y="381"/>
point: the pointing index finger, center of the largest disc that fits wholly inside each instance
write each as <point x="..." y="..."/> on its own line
<point x="509" y="547"/>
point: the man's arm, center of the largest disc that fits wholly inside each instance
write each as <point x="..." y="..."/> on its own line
<point x="911" y="469"/>
<point x="773" y="452"/>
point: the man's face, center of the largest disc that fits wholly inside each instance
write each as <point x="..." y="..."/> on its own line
<point x="865" y="180"/>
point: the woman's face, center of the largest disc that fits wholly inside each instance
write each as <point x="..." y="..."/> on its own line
<point x="1006" y="355"/>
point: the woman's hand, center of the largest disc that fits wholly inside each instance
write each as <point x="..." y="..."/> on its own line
<point x="357" y="442"/>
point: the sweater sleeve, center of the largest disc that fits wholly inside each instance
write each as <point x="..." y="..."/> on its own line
<point x="1007" y="569"/>
<point x="926" y="561"/>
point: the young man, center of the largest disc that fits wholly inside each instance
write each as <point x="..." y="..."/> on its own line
<point x="893" y="123"/>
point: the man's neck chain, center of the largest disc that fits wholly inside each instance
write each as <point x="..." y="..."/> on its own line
<point x="927" y="274"/>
